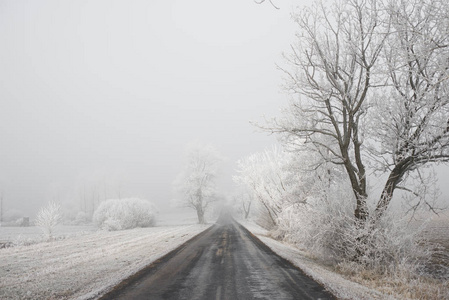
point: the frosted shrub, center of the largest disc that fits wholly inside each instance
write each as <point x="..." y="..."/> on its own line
<point x="325" y="226"/>
<point x="120" y="214"/>
<point x="329" y="231"/>
<point x="390" y="246"/>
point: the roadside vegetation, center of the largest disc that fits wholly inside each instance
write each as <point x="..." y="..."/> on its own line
<point x="369" y="102"/>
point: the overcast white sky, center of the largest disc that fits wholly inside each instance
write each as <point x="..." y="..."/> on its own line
<point x="111" y="91"/>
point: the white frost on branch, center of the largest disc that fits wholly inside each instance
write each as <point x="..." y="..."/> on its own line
<point x="272" y="178"/>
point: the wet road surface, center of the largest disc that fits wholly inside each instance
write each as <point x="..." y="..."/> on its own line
<point x="224" y="262"/>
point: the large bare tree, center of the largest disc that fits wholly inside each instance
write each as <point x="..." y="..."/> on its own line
<point x="334" y="71"/>
<point x="369" y="73"/>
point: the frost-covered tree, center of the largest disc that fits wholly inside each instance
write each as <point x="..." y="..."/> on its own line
<point x="333" y="70"/>
<point x="370" y="84"/>
<point x="411" y="118"/>
<point x="48" y="218"/>
<point x="272" y="179"/>
<point x="196" y="184"/>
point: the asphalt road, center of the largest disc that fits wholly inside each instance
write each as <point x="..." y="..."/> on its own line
<point x="224" y="262"/>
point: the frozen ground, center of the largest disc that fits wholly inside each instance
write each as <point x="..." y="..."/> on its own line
<point x="16" y="236"/>
<point x="178" y="216"/>
<point x="85" y="265"/>
<point x="437" y="231"/>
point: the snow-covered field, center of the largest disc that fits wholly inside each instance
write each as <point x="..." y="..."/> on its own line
<point x="85" y="263"/>
<point x="16" y="236"/>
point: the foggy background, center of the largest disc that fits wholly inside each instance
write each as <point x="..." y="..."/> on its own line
<point x="99" y="98"/>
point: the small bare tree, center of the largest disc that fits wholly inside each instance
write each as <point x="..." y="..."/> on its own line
<point x="246" y="200"/>
<point x="48" y="217"/>
<point x="243" y="200"/>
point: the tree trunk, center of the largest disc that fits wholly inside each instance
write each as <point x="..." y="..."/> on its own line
<point x="269" y="213"/>
<point x="386" y="196"/>
<point x="246" y="214"/>
<point x="246" y="209"/>
<point x="359" y="189"/>
<point x="200" y="214"/>
<point x="394" y="179"/>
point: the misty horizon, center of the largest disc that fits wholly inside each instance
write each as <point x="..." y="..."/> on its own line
<point x="103" y="96"/>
